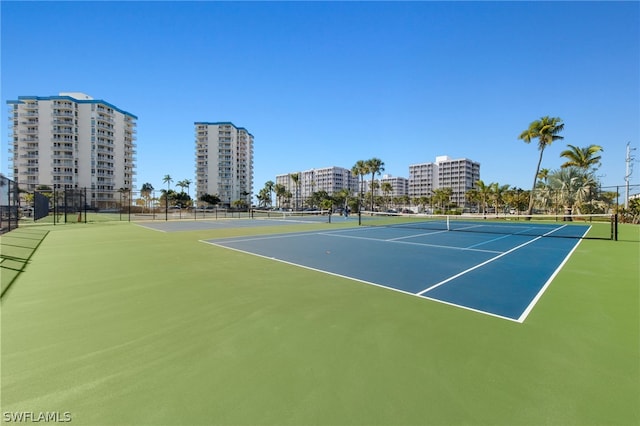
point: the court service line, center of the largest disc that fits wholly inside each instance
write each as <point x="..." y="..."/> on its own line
<point x="466" y="271"/>
<point x="258" y="238"/>
<point x="395" y="241"/>
<point x="416" y="235"/>
<point x="490" y="241"/>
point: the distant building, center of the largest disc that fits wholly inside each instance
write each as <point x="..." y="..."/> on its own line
<point x="399" y="186"/>
<point x="73" y="141"/>
<point x="224" y="161"/>
<point x="460" y="175"/>
<point x="329" y="179"/>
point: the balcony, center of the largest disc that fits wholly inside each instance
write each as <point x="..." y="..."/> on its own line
<point x="63" y="105"/>
<point x="101" y="125"/>
<point x="104" y="110"/>
<point x="62" y="173"/>
<point x="104" y="142"/>
<point x="105" y="119"/>
<point x="62" y="156"/>
<point x="63" y="131"/>
<point x="61" y="113"/>
<point x="63" y="139"/>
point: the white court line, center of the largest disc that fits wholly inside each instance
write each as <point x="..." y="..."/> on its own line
<point x="534" y="301"/>
<point x="258" y="238"/>
<point x="395" y="241"/>
<point x="508" y="235"/>
<point x="416" y="235"/>
<point x="148" y="227"/>
<point x="466" y="271"/>
<point x="361" y="281"/>
<point x="337" y="234"/>
<point x="490" y="241"/>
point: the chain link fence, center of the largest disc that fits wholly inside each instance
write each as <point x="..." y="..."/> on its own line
<point x="9" y="205"/>
<point x="84" y="205"/>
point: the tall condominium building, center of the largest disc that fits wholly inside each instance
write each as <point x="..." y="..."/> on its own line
<point x="329" y="179"/>
<point x="399" y="186"/>
<point x="224" y="161"/>
<point x="460" y="175"/>
<point x="73" y="141"/>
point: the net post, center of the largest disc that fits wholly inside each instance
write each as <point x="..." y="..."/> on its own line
<point x="615" y="227"/>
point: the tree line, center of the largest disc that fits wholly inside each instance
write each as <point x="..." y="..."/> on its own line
<point x="572" y="188"/>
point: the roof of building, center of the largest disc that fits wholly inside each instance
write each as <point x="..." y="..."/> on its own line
<point x="67" y="96"/>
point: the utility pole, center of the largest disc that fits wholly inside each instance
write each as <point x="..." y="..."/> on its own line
<point x="629" y="170"/>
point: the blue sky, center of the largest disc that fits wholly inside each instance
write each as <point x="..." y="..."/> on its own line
<point x="323" y="84"/>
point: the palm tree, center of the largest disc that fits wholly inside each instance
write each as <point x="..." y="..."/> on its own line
<point x="484" y="191"/>
<point x="263" y="197"/>
<point x="145" y="192"/>
<point x="546" y="130"/>
<point x="543" y="175"/>
<point x="497" y="193"/>
<point x="422" y="202"/>
<point x="269" y="186"/>
<point x="387" y="189"/>
<point x="473" y="197"/>
<point x="295" y="178"/>
<point x="287" y="196"/>
<point x="181" y="184"/>
<point x="442" y="196"/>
<point x="360" y="169"/>
<point x="375" y="166"/>
<point x="583" y="158"/>
<point x="575" y="186"/>
<point x="280" y="191"/>
<point x="167" y="179"/>
<point x="341" y="197"/>
<point x="187" y="183"/>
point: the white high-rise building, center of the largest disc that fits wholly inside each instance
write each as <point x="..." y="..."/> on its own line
<point x="224" y="162"/>
<point x="329" y="179"/>
<point x="399" y="186"/>
<point x="460" y="175"/>
<point x="72" y="141"/>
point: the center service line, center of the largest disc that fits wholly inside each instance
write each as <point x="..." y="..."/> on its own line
<point x="486" y="262"/>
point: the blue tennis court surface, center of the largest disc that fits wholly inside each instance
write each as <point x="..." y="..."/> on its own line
<point x="499" y="275"/>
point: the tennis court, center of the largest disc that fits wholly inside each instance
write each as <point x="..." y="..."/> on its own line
<point x="497" y="269"/>
<point x="117" y="324"/>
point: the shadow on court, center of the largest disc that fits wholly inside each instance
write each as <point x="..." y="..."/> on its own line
<point x="18" y="246"/>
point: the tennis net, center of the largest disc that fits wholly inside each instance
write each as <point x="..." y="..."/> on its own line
<point x="292" y="216"/>
<point x="596" y="226"/>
